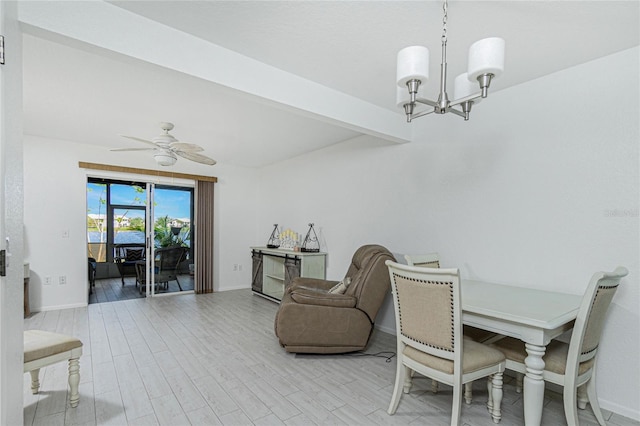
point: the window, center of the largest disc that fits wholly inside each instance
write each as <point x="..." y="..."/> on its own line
<point x="115" y="215"/>
<point x="173" y="217"/>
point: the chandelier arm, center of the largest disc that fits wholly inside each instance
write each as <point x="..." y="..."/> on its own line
<point x="465" y="99"/>
<point x="422" y="114"/>
<point x="425" y="101"/>
<point x="456" y="112"/>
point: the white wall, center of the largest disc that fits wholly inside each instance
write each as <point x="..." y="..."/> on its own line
<point x="539" y="189"/>
<point x="55" y="201"/>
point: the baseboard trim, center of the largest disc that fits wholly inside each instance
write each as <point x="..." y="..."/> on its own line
<point x="619" y="409"/>
<point x="57" y="307"/>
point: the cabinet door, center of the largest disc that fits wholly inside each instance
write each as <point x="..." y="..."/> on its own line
<point x="291" y="270"/>
<point x="256" y="280"/>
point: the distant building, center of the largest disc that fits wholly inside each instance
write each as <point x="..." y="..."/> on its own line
<point x="97" y="219"/>
<point x="180" y="223"/>
<point x="121" y="221"/>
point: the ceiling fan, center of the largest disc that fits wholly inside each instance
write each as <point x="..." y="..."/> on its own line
<point x="166" y="147"/>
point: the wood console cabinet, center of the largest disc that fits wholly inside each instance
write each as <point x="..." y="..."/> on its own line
<point x="274" y="269"/>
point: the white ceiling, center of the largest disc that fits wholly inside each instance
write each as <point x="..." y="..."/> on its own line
<point x="78" y="93"/>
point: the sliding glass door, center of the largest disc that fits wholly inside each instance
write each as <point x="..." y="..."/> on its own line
<point x="141" y="235"/>
<point x="172" y="218"/>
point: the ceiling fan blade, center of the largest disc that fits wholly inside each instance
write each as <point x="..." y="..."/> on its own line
<point x="186" y="147"/>
<point x="139" y="140"/>
<point x="133" y="149"/>
<point x="198" y="158"/>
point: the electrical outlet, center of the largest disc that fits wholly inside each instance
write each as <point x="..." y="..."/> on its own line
<point x="62" y="280"/>
<point x="240" y="267"/>
<point x="235" y="266"/>
<point x="48" y="280"/>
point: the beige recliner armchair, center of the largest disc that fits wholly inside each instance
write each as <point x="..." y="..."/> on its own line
<point x="312" y="320"/>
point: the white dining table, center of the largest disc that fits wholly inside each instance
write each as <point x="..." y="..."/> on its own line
<point x="531" y="315"/>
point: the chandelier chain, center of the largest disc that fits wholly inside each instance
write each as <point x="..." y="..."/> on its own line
<point x="445" y="8"/>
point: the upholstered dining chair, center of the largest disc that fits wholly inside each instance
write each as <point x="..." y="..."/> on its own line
<point x="429" y="337"/>
<point x="573" y="365"/>
<point x="432" y="260"/>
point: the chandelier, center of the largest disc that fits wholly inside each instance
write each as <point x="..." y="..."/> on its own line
<point x="486" y="62"/>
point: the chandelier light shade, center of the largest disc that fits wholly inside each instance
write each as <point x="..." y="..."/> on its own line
<point x="486" y="56"/>
<point x="413" y="64"/>
<point x="463" y="87"/>
<point x="486" y="62"/>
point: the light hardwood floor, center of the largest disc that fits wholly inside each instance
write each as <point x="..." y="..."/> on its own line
<point x="214" y="359"/>
<point x="112" y="290"/>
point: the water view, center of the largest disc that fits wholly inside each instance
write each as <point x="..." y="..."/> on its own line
<point x="122" y="237"/>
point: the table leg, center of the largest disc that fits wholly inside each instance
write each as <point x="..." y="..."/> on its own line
<point x="533" y="384"/>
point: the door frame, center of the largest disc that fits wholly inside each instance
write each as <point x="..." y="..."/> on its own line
<point x="11" y="219"/>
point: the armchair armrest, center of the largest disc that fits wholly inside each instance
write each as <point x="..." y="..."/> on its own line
<point x="309" y="296"/>
<point x="311" y="283"/>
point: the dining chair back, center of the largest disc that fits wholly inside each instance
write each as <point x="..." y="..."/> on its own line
<point x="429" y="337"/>
<point x="573" y="365"/>
<point x="431" y="260"/>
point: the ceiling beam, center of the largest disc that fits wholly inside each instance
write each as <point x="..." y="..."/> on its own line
<point x="109" y="27"/>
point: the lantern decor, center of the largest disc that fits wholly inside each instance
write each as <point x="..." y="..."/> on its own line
<point x="274" y="241"/>
<point x="311" y="243"/>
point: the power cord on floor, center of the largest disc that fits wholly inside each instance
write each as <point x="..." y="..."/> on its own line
<point x="387" y="355"/>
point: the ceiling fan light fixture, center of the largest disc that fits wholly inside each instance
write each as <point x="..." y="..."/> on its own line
<point x="165" y="158"/>
<point x="167" y="147"/>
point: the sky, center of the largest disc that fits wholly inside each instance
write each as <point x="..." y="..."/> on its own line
<point x="168" y="202"/>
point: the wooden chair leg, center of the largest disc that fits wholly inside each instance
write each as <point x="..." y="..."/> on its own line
<point x="490" y="394"/>
<point x="496" y="396"/>
<point x="35" y="381"/>
<point x="570" y="405"/>
<point x="74" y="381"/>
<point x="468" y="392"/>
<point x="593" y="400"/>
<point x="457" y="405"/>
<point x="408" y="382"/>
<point x="582" y="397"/>
<point x="401" y="371"/>
<point x="519" y="380"/>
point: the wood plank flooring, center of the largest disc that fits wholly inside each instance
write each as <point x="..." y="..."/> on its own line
<point x="214" y="359"/>
<point x="112" y="290"/>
